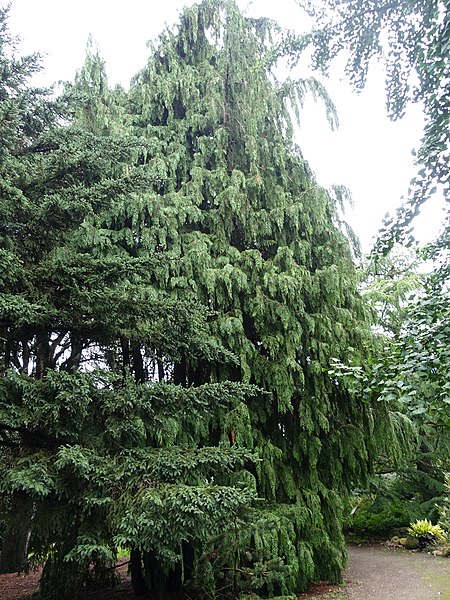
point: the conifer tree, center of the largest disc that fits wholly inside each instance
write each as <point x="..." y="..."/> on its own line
<point x="105" y="444"/>
<point x="24" y="113"/>
<point x="258" y="242"/>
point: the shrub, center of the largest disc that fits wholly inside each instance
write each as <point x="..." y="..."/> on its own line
<point x="425" y="532"/>
<point x="370" y="519"/>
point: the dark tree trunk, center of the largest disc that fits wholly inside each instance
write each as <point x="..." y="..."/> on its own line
<point x="182" y="571"/>
<point x="13" y="557"/>
<point x="137" y="577"/>
<point x="161" y="374"/>
<point x="125" y="346"/>
<point x="25" y="356"/>
<point x="73" y="361"/>
<point x="138" y="363"/>
<point x="42" y="354"/>
<point x="179" y="373"/>
<point x="60" y="579"/>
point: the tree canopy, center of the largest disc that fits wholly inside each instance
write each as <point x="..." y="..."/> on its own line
<point x="411" y="39"/>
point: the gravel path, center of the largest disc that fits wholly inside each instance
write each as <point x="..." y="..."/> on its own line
<point x="379" y="573"/>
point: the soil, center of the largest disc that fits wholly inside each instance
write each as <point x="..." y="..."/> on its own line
<point x="324" y="590"/>
<point x="374" y="573"/>
<point x="13" y="587"/>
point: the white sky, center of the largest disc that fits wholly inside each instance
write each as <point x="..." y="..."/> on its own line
<point x="368" y="154"/>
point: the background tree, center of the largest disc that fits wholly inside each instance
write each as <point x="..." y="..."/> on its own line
<point x="389" y="283"/>
<point x="411" y="38"/>
<point x="407" y="371"/>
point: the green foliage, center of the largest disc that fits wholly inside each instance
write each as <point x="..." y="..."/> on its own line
<point x="415" y="369"/>
<point x="413" y="442"/>
<point x="389" y="284"/>
<point x="377" y="517"/>
<point x="444" y="510"/>
<point x="424" y="528"/>
<point x="269" y="560"/>
<point x="396" y="498"/>
<point x="411" y="38"/>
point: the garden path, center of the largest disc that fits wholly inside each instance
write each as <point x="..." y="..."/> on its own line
<point x="380" y="573"/>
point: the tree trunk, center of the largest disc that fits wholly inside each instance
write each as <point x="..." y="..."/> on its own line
<point x="125" y="346"/>
<point x="138" y="363"/>
<point x="179" y="373"/>
<point x="17" y="536"/>
<point x="42" y="354"/>
<point x="137" y="577"/>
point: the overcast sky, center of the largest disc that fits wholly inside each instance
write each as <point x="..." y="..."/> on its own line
<point x="368" y="154"/>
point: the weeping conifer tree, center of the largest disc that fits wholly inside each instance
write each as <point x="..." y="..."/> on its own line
<point x="258" y="242"/>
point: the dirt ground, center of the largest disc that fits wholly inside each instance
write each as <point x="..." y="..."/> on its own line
<point x="374" y="573"/>
<point x="18" y="587"/>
